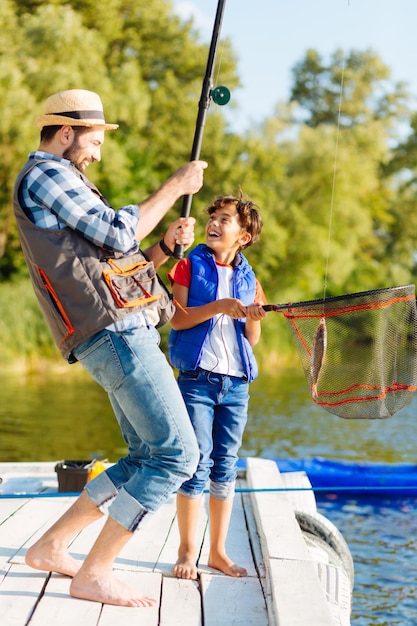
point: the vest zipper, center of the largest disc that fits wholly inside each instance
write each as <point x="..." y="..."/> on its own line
<point x="58" y="305"/>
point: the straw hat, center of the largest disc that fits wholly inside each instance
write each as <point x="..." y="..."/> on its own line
<point x="75" y="107"/>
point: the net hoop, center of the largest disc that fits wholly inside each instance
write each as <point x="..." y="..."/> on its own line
<point x="358" y="351"/>
<point x="295" y="309"/>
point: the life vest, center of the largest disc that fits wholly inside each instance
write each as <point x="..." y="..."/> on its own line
<point x="185" y="347"/>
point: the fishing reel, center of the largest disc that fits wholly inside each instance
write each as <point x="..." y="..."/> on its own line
<point x="220" y="95"/>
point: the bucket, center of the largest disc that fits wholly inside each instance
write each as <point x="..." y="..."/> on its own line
<point x="73" y="475"/>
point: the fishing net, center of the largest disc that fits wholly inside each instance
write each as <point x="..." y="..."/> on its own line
<point x="358" y="351"/>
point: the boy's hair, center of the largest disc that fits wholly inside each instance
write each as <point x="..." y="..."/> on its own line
<point x="249" y="216"/>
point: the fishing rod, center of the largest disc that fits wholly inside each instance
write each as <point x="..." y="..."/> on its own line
<point x="220" y="95"/>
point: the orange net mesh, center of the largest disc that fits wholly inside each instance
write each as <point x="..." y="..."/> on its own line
<point x="358" y="351"/>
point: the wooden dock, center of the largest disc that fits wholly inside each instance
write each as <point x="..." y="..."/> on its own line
<point x="288" y="583"/>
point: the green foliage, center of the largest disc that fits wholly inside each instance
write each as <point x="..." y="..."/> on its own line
<point x="24" y="335"/>
<point x="333" y="171"/>
<point x="349" y="90"/>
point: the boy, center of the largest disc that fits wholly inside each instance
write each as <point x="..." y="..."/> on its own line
<point x="211" y="345"/>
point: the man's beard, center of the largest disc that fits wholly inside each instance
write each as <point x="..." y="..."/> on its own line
<point x="72" y="154"/>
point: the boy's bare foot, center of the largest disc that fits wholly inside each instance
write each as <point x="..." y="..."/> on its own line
<point x="186" y="567"/>
<point x="226" y="565"/>
<point x="105" y="588"/>
<point x="48" y="557"/>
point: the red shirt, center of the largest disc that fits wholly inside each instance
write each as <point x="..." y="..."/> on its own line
<point x="181" y="274"/>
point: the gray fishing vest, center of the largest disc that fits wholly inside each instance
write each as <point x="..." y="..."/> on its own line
<point x="67" y="275"/>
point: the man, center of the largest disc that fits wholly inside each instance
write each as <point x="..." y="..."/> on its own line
<point x="69" y="233"/>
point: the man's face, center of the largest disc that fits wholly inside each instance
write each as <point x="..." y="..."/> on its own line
<point x="85" y="148"/>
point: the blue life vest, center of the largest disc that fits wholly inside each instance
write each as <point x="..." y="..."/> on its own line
<point x="185" y="347"/>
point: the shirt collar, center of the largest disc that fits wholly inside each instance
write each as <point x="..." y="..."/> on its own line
<point x="40" y="154"/>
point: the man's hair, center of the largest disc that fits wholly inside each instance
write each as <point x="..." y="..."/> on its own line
<point x="49" y="132"/>
<point x="249" y="217"/>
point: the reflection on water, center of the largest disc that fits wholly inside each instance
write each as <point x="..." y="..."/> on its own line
<point x="284" y="423"/>
<point x="66" y="415"/>
<point x="381" y="535"/>
<point x="54" y="416"/>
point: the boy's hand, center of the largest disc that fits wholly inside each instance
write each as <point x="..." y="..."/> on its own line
<point x="255" y="311"/>
<point x="232" y="307"/>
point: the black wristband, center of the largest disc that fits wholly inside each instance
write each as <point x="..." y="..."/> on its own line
<point x="165" y="248"/>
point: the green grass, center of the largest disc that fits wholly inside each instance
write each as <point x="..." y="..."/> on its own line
<point x="24" y="336"/>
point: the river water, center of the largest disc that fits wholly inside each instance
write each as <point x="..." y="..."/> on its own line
<point x="51" y="416"/>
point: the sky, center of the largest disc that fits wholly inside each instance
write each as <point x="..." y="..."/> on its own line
<point x="270" y="36"/>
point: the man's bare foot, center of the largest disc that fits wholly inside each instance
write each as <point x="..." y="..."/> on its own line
<point x="186" y="567"/>
<point x="51" y="558"/>
<point x="226" y="565"/>
<point x="105" y="588"/>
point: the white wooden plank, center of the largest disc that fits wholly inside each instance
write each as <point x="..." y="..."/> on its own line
<point x="149" y="584"/>
<point x="300" y="500"/>
<point x="253" y="535"/>
<point x="298" y="598"/>
<point x="9" y="506"/>
<point x="143" y="552"/>
<point x="281" y="536"/>
<point x="233" y="601"/>
<point x="289" y="583"/>
<point x="338" y="589"/>
<point x="19" y="591"/>
<point x="57" y="607"/>
<point x="21" y="484"/>
<point x="169" y="554"/>
<point x="180" y="603"/>
<point x="143" y="549"/>
<point x="82" y="543"/>
<point x="295" y="595"/>
<point x="237" y="542"/>
<point x="17" y="533"/>
<point x="35" y="467"/>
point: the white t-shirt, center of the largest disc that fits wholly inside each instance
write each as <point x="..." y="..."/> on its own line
<point x="221" y="351"/>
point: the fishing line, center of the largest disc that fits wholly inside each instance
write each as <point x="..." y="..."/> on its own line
<point x="219" y="61"/>
<point x="336" y="154"/>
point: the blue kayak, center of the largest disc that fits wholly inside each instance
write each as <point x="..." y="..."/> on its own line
<point x="357" y="478"/>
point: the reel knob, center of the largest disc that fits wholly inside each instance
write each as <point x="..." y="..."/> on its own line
<point x="220" y="95"/>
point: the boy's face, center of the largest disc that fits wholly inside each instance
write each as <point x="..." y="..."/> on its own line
<point x="223" y="230"/>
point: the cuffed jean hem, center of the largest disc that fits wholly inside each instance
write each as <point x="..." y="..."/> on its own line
<point x="120" y="505"/>
<point x="127" y="511"/>
<point x="220" y="491"/>
<point x="190" y="494"/>
<point x="102" y="491"/>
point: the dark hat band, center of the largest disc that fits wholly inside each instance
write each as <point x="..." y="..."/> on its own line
<point x="81" y="115"/>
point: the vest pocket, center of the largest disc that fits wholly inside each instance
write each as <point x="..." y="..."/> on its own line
<point x="133" y="285"/>
<point x="56" y="305"/>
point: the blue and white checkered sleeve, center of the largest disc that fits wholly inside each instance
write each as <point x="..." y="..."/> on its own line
<point x="56" y="189"/>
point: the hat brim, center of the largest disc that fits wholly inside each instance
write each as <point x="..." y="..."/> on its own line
<point x="61" y="120"/>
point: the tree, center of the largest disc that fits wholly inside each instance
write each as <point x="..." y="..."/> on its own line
<point x="346" y="91"/>
<point x="147" y="66"/>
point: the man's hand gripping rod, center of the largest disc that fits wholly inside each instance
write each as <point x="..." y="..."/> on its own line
<point x="220" y="95"/>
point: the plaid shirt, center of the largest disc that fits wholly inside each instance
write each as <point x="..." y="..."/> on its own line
<point x="53" y="197"/>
